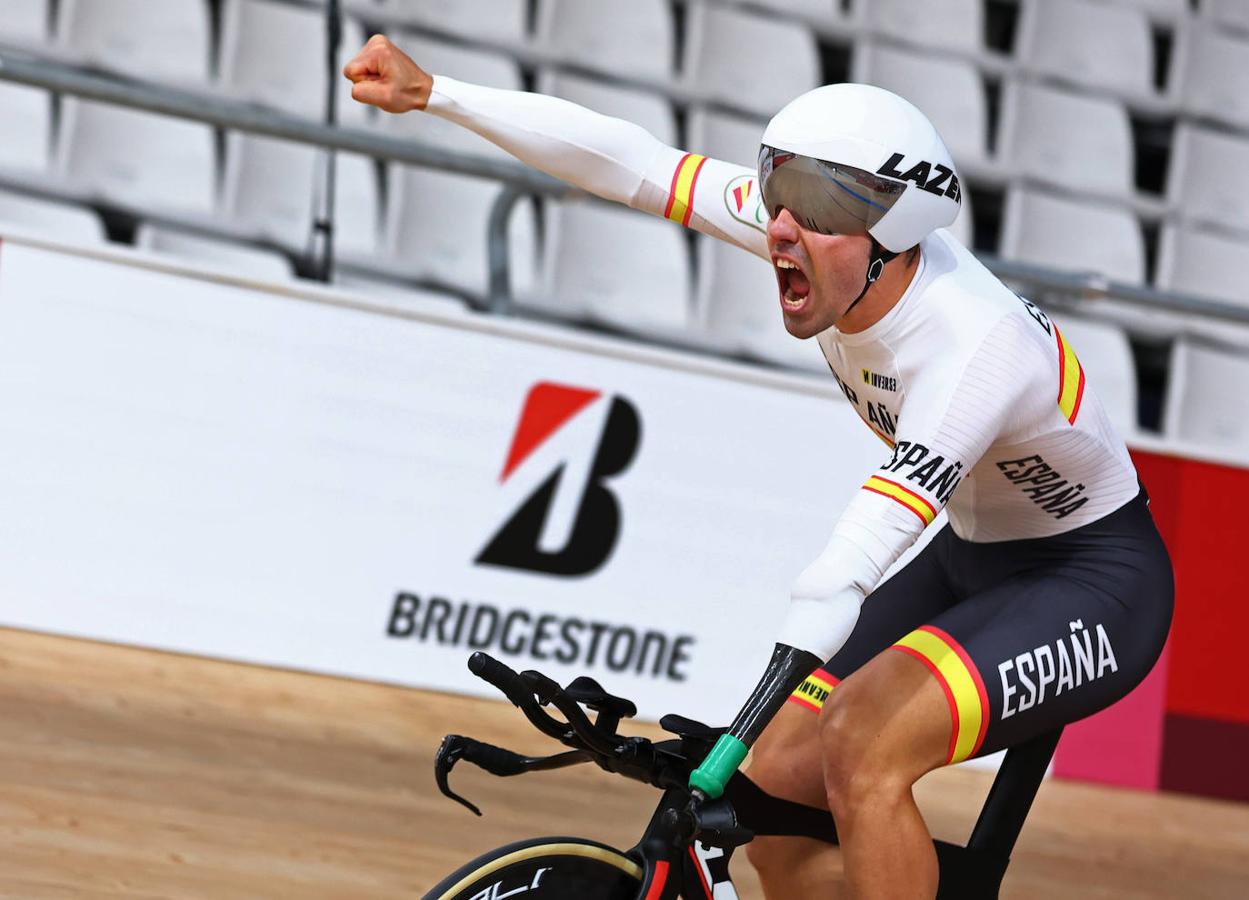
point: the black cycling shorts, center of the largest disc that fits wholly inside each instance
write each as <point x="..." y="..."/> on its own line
<point x="1023" y="636"/>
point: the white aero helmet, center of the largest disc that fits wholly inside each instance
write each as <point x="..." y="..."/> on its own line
<point x="854" y="159"/>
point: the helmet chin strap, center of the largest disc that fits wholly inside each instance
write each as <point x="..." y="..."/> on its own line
<point x="875" y="267"/>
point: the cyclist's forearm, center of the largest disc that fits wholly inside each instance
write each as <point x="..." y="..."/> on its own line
<point x="602" y="155"/>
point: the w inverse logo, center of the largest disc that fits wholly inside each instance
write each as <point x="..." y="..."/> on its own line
<point x="596" y="523"/>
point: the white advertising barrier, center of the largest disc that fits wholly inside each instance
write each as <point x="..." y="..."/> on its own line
<point x="276" y="477"/>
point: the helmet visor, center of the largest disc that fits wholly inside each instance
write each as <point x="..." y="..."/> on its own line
<point x="823" y="196"/>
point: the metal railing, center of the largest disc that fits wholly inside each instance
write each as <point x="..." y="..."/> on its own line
<point x="57" y="75"/>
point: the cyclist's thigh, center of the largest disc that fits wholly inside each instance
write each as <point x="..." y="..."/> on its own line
<point x="1046" y="647"/>
<point x="786" y="760"/>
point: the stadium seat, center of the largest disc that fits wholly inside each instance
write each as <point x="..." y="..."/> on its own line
<point x="436" y="228"/>
<point x="27" y="116"/>
<point x="1089" y="44"/>
<point x="273" y="53"/>
<point x="615" y="267"/>
<point x="1074" y="140"/>
<point x="724" y="136"/>
<point x="1197" y="261"/>
<point x="269" y="187"/>
<point x="651" y="111"/>
<point x="817" y="11"/>
<point x="137" y="158"/>
<point x="956" y="25"/>
<point x="1204" y="169"/>
<point x="473" y="19"/>
<point x="59" y="221"/>
<point x="737" y="305"/>
<point x="1213" y="75"/>
<point x="25" y="22"/>
<point x="1106" y="356"/>
<point x="229" y="256"/>
<point x="1072" y="235"/>
<point x="948" y="90"/>
<point x="1232" y="14"/>
<point x="1207" y="398"/>
<point x="723" y="49"/>
<point x="1167" y="11"/>
<point x="476" y="66"/>
<point x="167" y="41"/>
<point x="633" y="39"/>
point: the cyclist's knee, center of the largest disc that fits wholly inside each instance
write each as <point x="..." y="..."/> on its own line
<point x="785" y="760"/>
<point x="856" y="771"/>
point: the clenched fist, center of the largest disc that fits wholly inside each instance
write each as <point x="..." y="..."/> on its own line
<point x="386" y="77"/>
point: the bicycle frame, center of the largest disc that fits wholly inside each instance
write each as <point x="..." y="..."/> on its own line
<point x="685" y="848"/>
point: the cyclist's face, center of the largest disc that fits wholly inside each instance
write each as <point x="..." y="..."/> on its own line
<point x="818" y="275"/>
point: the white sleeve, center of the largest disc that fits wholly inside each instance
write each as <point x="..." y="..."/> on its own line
<point x="943" y="430"/>
<point x="611" y="158"/>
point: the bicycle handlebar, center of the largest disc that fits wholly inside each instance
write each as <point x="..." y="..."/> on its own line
<point x="519" y="693"/>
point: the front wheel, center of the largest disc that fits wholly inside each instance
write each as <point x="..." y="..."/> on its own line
<point x="551" y="868"/>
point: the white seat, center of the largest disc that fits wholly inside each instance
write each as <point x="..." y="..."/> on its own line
<point x="1194" y="261"/>
<point x="1213" y="74"/>
<point x="273" y="53"/>
<point x="25" y="22"/>
<point x="27" y="116"/>
<point x="229" y="256"/>
<point x="723" y="50"/>
<point x="62" y="221"/>
<point x="1228" y="13"/>
<point x="497" y="20"/>
<point x="723" y="136"/>
<point x="269" y="188"/>
<point x="651" y="111"/>
<point x="466" y="64"/>
<point x="633" y="39"/>
<point x="1087" y="43"/>
<point x="1205" y="167"/>
<point x="1207" y="399"/>
<point x="166" y="41"/>
<point x="938" y="24"/>
<point x="1074" y="140"/>
<point x="949" y="91"/>
<point x="137" y="158"/>
<point x="1073" y="235"/>
<point x="737" y="304"/>
<point x="1106" y="357"/>
<point x="818" y="11"/>
<point x="437" y="228"/>
<point x="614" y="266"/>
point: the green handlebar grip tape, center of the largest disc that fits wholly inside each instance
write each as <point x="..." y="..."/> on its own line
<point x="719" y="766"/>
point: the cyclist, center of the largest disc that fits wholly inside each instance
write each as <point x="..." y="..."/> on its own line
<point x="1048" y="595"/>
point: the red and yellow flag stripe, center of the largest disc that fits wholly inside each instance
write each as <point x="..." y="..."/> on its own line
<point x="908" y="498"/>
<point x="959" y="678"/>
<point x="1070" y="379"/>
<point x="815" y="690"/>
<point x="681" y="194"/>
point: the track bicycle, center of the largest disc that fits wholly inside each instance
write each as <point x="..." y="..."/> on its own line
<point x="691" y="836"/>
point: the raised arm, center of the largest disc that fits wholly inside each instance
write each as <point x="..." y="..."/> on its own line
<point x="609" y="157"/>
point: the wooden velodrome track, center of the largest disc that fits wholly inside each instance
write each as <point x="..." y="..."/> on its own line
<point x="131" y="773"/>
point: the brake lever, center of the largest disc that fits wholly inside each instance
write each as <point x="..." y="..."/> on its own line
<point x="495" y="760"/>
<point x="449" y="753"/>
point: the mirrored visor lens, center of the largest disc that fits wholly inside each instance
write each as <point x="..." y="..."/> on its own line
<point x="824" y="196"/>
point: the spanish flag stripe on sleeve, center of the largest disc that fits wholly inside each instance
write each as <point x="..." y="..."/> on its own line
<point x="815" y="690"/>
<point x="1070" y="379"/>
<point x="908" y="498"/>
<point x="960" y="680"/>
<point x="681" y="194"/>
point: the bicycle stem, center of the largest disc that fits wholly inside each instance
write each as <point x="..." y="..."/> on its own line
<point x="787" y="669"/>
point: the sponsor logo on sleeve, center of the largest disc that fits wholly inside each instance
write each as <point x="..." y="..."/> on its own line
<point x="744" y="201"/>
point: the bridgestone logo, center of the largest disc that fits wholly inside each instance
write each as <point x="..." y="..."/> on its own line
<point x="540" y="636"/>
